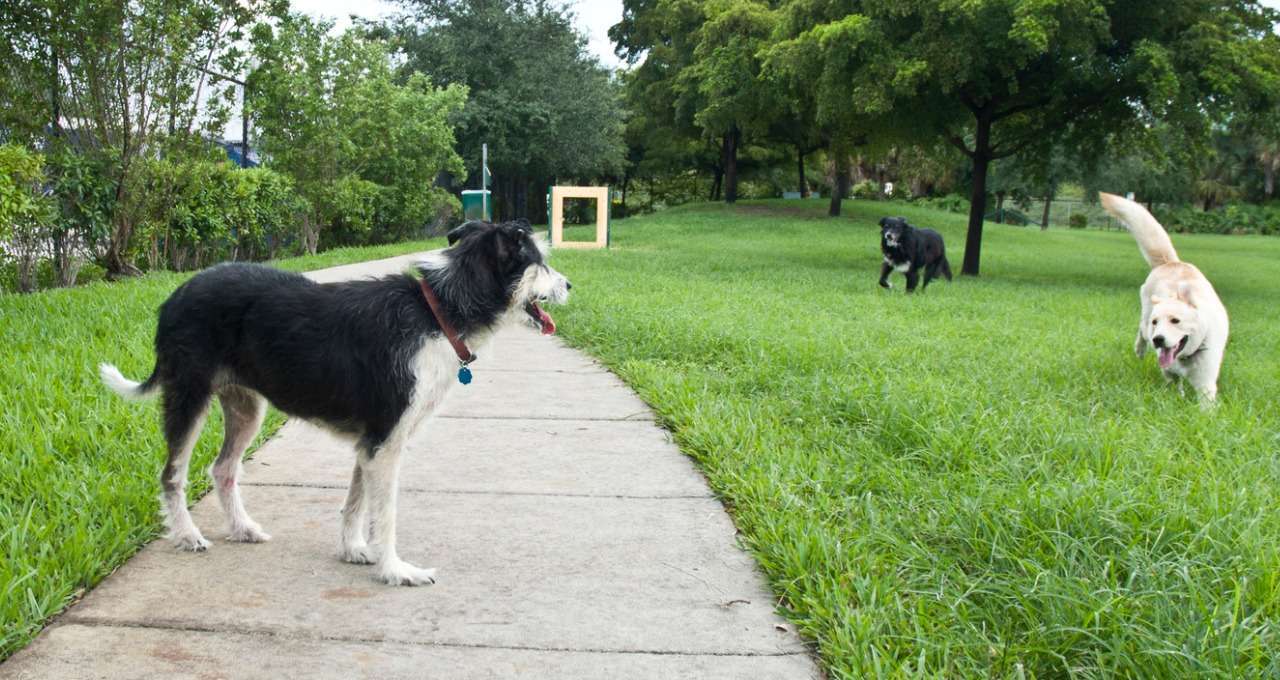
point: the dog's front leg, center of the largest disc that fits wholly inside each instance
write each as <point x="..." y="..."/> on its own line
<point x="885" y="270"/>
<point x="380" y="473"/>
<point x="1204" y="376"/>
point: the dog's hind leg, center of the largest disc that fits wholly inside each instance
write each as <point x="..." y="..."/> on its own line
<point x="355" y="520"/>
<point x="242" y="412"/>
<point x="946" y="268"/>
<point x="930" y="273"/>
<point x="185" y="406"/>
<point x="913" y="277"/>
<point x="380" y="484"/>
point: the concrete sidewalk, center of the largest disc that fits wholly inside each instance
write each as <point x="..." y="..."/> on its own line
<point x="572" y="539"/>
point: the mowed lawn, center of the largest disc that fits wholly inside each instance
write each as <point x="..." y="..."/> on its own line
<point x="980" y="481"/>
<point x="79" y="467"/>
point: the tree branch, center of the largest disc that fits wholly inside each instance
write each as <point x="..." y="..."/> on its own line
<point x="1019" y="108"/>
<point x="958" y="142"/>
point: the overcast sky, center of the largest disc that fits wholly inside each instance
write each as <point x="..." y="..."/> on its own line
<point x="594" y="18"/>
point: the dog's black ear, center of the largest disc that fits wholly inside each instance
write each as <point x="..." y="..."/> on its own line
<point x="464" y="230"/>
<point x="522" y="224"/>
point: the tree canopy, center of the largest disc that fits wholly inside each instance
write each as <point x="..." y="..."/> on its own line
<point x="545" y="108"/>
<point x="363" y="149"/>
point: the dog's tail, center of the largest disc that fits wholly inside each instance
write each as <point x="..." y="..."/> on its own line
<point x="946" y="268"/>
<point x="133" y="391"/>
<point x="1152" y="239"/>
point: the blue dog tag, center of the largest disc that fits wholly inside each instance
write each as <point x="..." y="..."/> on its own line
<point x="464" y="375"/>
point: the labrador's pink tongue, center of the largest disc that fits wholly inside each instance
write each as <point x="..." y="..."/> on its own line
<point x="1167" y="355"/>
<point x="548" y="323"/>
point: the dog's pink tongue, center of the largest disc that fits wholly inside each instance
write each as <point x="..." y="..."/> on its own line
<point x="548" y="323"/>
<point x="1167" y="355"/>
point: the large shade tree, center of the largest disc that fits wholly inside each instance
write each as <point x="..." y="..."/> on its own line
<point x="546" y="108"/>
<point x="363" y="150"/>
<point x="109" y="82"/>
<point x="702" y="64"/>
<point x="994" y="77"/>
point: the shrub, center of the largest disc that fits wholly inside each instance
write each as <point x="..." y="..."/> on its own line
<point x="1078" y="221"/>
<point x="349" y="208"/>
<point x="26" y="214"/>
<point x="190" y="213"/>
<point x="270" y="217"/>
<point x="83" y="183"/>
<point x="1233" y="219"/>
<point x="950" y="203"/>
<point x="1009" y="216"/>
<point x="866" y="190"/>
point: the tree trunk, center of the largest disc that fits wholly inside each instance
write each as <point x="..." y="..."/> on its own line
<point x="802" y="184"/>
<point x="977" y="198"/>
<point x="1044" y="219"/>
<point x="1269" y="177"/>
<point x="999" y="207"/>
<point x="840" y="187"/>
<point x="626" y="179"/>
<point x="732" y="140"/>
<point x="521" y="194"/>
<point x="716" y="181"/>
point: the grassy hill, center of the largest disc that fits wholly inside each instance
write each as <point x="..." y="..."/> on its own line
<point x="978" y="481"/>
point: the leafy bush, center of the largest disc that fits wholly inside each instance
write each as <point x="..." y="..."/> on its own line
<point x="867" y="190"/>
<point x="1009" y="216"/>
<point x="1233" y="219"/>
<point x="26" y="215"/>
<point x="954" y="203"/>
<point x="191" y="213"/>
<point x="1078" y="221"/>
<point x="84" y="186"/>
<point x="269" y="215"/>
<point x="350" y="206"/>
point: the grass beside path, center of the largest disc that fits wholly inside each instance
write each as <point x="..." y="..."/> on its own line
<point x="980" y="481"/>
<point x="79" y="466"/>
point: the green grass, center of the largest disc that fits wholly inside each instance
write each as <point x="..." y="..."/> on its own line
<point x="980" y="481"/>
<point x="79" y="466"/>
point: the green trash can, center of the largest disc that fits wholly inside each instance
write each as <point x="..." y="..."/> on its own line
<point x="477" y="205"/>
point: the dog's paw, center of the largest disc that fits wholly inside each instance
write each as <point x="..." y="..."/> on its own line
<point x="405" y="574"/>
<point x="249" y="534"/>
<point x="190" y="542"/>
<point x="359" y="553"/>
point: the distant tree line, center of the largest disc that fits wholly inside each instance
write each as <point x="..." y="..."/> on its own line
<point x="1175" y="99"/>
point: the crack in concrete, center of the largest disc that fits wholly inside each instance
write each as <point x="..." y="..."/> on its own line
<point x="625" y="419"/>
<point x="469" y="492"/>
<point x="300" y="636"/>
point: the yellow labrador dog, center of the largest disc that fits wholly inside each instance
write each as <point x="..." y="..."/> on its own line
<point x="1182" y="317"/>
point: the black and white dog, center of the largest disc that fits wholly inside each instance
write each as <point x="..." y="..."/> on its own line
<point x="367" y="359"/>
<point x="907" y="249"/>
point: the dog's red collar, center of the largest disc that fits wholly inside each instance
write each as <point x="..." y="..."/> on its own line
<point x="459" y="347"/>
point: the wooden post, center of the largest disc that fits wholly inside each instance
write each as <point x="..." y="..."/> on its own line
<point x="601" y="194"/>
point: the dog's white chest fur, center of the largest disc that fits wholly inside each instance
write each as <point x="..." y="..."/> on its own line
<point x="901" y="267"/>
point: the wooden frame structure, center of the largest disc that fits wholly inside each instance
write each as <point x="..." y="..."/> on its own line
<point x="601" y="194"/>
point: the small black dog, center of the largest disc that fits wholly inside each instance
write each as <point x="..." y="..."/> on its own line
<point x="907" y="249"/>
